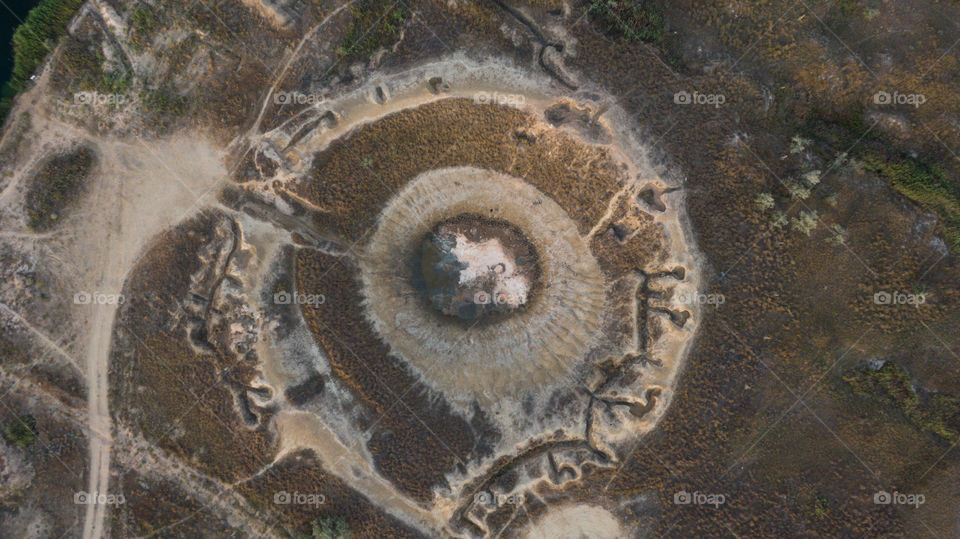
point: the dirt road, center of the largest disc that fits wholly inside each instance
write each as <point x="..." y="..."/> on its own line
<point x="139" y="190"/>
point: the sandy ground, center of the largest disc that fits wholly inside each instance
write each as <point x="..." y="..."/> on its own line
<point x="139" y="189"/>
<point x="576" y="522"/>
<point x="143" y="189"/>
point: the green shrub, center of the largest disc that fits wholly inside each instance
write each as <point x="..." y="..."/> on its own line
<point x="847" y="8"/>
<point x="637" y="20"/>
<point x="821" y="506"/>
<point x="162" y="108"/>
<point x="21" y="431"/>
<point x="163" y="101"/>
<point x="143" y="24"/>
<point x="329" y="528"/>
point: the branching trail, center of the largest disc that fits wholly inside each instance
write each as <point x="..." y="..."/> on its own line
<point x="136" y="201"/>
<point x="283" y="71"/>
<point x="47" y="341"/>
<point x="215" y="496"/>
<point x="98" y="414"/>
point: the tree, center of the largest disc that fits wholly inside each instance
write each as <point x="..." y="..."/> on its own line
<point x="798" y="144"/>
<point x="812" y="178"/>
<point x="764" y="201"/>
<point x="797" y="191"/>
<point x="780" y="219"/>
<point x="331" y="528"/>
<point x="806" y="222"/>
<point x="838" y="234"/>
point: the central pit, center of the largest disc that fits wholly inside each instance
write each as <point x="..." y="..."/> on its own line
<point x="476" y="268"/>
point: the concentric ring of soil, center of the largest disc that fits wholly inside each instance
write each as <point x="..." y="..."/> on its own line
<point x="532" y="348"/>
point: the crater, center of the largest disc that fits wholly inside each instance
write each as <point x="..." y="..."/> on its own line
<point x="550" y="292"/>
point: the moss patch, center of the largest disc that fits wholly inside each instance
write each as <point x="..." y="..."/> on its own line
<point x="923" y="183"/>
<point x="376" y="24"/>
<point x="891" y="386"/>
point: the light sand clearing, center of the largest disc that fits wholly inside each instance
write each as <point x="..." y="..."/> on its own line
<point x="138" y="189"/>
<point x="577" y="522"/>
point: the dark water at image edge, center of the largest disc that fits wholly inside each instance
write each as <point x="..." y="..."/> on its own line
<point x="12" y="13"/>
